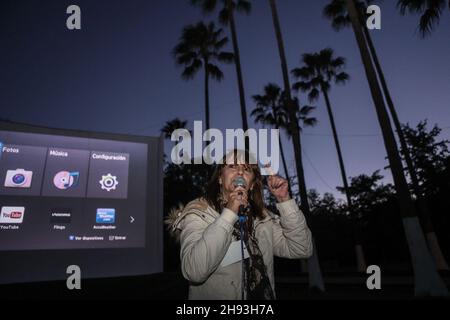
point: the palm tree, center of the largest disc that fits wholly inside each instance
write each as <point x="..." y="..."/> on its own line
<point x="337" y="12"/>
<point x="314" y="273"/>
<point x="302" y="114"/>
<point x="424" y="209"/>
<point x="226" y="17"/>
<point x="171" y="126"/>
<point x="430" y="11"/>
<point x="427" y="280"/>
<point x="271" y="110"/>
<point x="319" y="70"/>
<point x="200" y="46"/>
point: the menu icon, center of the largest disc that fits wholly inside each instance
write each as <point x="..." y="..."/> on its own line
<point x="12" y="214"/>
<point x="105" y="215"/>
<point x="60" y="216"/>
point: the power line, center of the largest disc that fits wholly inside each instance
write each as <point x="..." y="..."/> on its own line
<point x="190" y="115"/>
<point x="316" y="171"/>
<point x="343" y="135"/>
<point x="354" y="134"/>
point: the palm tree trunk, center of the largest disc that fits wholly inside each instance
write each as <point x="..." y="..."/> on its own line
<point x="207" y="105"/>
<point x="424" y="210"/>
<point x="207" y="96"/>
<point x="427" y="279"/>
<point x="237" y="59"/>
<point x="360" y="260"/>
<point x="286" y="172"/>
<point x="314" y="272"/>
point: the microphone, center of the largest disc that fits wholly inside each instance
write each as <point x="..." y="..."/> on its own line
<point x="239" y="181"/>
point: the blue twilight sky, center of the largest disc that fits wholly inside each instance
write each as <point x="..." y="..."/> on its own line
<point x="117" y="74"/>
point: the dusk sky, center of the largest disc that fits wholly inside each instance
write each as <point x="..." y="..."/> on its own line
<point x="118" y="75"/>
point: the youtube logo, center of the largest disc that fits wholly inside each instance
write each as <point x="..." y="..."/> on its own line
<point x="12" y="214"/>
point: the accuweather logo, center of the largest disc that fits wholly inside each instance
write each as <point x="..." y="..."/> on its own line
<point x="105" y="215"/>
<point x="260" y="143"/>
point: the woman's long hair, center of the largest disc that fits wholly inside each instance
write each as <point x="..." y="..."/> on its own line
<point x="255" y="196"/>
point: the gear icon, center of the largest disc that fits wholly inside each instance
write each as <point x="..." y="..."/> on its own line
<point x="109" y="182"/>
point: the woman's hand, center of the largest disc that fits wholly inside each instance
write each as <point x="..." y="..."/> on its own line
<point x="237" y="198"/>
<point x="279" y="187"/>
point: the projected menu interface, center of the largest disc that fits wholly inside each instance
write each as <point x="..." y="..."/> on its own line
<point x="59" y="197"/>
<point x="57" y="172"/>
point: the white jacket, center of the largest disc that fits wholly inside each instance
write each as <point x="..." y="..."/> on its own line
<point x="206" y="236"/>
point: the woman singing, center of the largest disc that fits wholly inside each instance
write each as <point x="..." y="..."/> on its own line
<point x="209" y="231"/>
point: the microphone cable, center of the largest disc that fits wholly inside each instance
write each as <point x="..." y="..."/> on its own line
<point x="242" y="220"/>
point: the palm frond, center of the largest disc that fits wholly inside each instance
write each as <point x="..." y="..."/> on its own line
<point x="306" y="110"/>
<point x="305" y="73"/>
<point x="336" y="12"/>
<point x="413" y="6"/>
<point x="201" y="44"/>
<point x="338" y="63"/>
<point x="207" y="6"/>
<point x="302" y="86"/>
<point x="224" y="16"/>
<point x="430" y="10"/>
<point x="310" y="122"/>
<point x="313" y="95"/>
<point x="220" y="43"/>
<point x="171" y="126"/>
<point x="428" y="20"/>
<point x="269" y="106"/>
<point x="272" y="90"/>
<point x="215" y="72"/>
<point x="342" y="78"/>
<point x="318" y="70"/>
<point x="244" y="6"/>
<point x="225" y="57"/>
<point x="190" y="71"/>
<point x="186" y="58"/>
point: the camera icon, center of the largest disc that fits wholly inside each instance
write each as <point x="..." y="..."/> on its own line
<point x="18" y="178"/>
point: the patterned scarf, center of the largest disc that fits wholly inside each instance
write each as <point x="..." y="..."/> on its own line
<point x="256" y="282"/>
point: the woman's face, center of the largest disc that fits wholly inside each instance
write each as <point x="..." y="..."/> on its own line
<point x="231" y="171"/>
